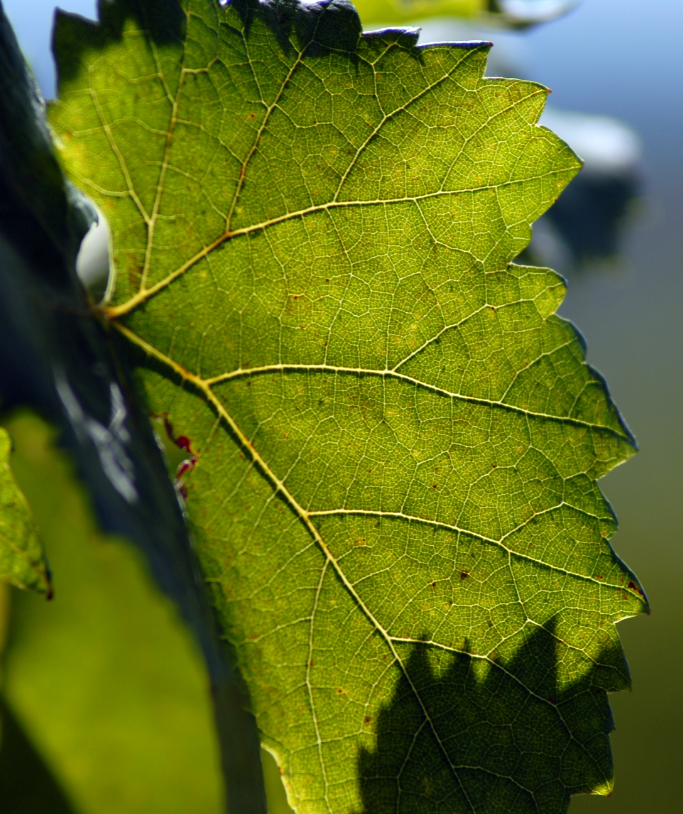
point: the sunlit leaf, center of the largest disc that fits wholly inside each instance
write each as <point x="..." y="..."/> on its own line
<point x="393" y="441"/>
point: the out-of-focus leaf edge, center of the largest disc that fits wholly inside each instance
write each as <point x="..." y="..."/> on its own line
<point x="494" y="14"/>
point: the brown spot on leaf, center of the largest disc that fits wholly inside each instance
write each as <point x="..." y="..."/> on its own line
<point x="183" y="442"/>
<point x="186" y="466"/>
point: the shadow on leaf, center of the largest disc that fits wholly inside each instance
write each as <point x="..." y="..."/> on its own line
<point x="27" y="785"/>
<point x="463" y="734"/>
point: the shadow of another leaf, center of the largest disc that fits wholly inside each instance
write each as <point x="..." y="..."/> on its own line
<point x="463" y="734"/>
<point x="26" y="783"/>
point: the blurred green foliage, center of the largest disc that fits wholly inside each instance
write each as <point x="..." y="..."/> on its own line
<point x="105" y="679"/>
<point x="396" y="12"/>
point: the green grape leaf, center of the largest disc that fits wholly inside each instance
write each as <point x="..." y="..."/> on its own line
<point x="22" y="560"/>
<point x="394" y="442"/>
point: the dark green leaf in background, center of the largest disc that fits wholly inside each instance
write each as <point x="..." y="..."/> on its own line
<point x="395" y="441"/>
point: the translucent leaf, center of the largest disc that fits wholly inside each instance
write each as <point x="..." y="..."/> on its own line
<point x="394" y="443"/>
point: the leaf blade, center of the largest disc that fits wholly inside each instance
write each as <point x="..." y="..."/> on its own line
<point x="385" y="414"/>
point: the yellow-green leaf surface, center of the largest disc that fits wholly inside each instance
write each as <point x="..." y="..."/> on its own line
<point x="396" y="442"/>
<point x="489" y="13"/>
<point x="22" y="561"/>
<point x="105" y="681"/>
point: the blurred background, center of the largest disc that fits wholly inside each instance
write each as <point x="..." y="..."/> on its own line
<point x="618" y="237"/>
